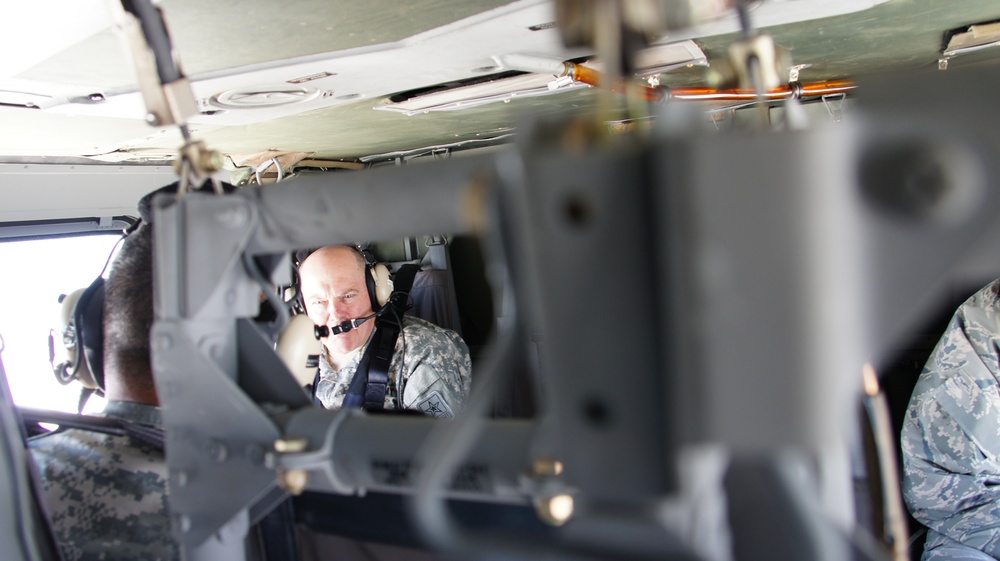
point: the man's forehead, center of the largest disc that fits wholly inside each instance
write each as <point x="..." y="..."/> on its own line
<point x="331" y="270"/>
<point x="339" y="257"/>
<point x="334" y="284"/>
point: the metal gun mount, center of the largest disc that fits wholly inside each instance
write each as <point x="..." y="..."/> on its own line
<point x="751" y="275"/>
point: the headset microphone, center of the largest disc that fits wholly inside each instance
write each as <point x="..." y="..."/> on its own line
<point x="323" y="331"/>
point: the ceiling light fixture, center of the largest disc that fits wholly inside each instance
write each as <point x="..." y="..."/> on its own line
<point x="264" y="96"/>
<point x="475" y="95"/>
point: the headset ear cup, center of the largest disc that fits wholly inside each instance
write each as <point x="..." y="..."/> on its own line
<point x="383" y="284"/>
<point x="64" y="348"/>
<point x="90" y="328"/>
<point x="80" y="352"/>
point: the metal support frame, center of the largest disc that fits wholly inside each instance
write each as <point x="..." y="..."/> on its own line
<point x="165" y="90"/>
<point x="695" y="298"/>
<point x="23" y="525"/>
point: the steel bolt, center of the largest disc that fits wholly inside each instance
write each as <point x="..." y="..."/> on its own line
<point x="291" y="445"/>
<point x="294" y="480"/>
<point x="556" y="510"/>
<point x="547" y="467"/>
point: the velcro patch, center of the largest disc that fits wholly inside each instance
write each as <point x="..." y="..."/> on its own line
<point x="435" y="406"/>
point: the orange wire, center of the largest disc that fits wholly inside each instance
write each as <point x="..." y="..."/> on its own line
<point x="593" y="77"/>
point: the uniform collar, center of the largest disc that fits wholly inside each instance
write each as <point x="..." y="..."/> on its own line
<point x="141" y="413"/>
<point x="355" y="356"/>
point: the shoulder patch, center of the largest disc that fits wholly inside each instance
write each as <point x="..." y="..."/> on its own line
<point x="435" y="406"/>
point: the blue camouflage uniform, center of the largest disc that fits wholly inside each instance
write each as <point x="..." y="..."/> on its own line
<point x="435" y="365"/>
<point x="106" y="495"/>
<point x="951" y="436"/>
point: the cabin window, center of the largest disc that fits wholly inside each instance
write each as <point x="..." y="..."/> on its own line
<point x="37" y="271"/>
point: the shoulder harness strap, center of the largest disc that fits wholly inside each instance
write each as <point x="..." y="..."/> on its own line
<point x="152" y="436"/>
<point x="371" y="381"/>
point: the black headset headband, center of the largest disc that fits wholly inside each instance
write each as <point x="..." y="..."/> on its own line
<point x="89" y="318"/>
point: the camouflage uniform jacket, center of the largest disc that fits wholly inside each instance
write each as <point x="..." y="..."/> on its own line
<point x="435" y="367"/>
<point x="106" y="495"/>
<point x="951" y="436"/>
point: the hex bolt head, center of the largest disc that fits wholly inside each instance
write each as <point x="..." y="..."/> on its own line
<point x="294" y="480"/>
<point x="547" y="467"/>
<point x="290" y="445"/>
<point x="555" y="510"/>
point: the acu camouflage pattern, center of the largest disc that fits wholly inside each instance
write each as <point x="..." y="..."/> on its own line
<point x="951" y="436"/>
<point x="435" y="365"/>
<point x="106" y="495"/>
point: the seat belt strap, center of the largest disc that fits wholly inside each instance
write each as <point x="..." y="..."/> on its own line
<point x="315" y="385"/>
<point x="150" y="435"/>
<point x="356" y="394"/>
<point x="371" y="379"/>
<point x="378" y="369"/>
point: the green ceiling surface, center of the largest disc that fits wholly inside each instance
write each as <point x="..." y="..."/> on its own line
<point x="899" y="35"/>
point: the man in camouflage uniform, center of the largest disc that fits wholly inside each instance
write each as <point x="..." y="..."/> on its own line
<point x="951" y="436"/>
<point x="430" y="367"/>
<point x="105" y="494"/>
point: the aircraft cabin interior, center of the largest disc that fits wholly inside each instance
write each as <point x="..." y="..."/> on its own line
<point x="697" y="255"/>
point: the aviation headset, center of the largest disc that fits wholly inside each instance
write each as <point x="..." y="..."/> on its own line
<point x="377" y="279"/>
<point x="81" y="331"/>
<point x="76" y="349"/>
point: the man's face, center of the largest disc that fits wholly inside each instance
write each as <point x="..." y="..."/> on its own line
<point x="334" y="291"/>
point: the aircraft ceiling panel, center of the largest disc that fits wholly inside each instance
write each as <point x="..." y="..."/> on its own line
<point x="356" y="55"/>
<point x="224" y="34"/>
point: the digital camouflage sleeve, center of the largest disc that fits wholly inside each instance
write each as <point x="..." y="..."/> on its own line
<point x="430" y="372"/>
<point x="951" y="436"/>
<point x="106" y="495"/>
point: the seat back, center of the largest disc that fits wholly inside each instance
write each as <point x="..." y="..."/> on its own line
<point x="432" y="298"/>
<point x="295" y="344"/>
